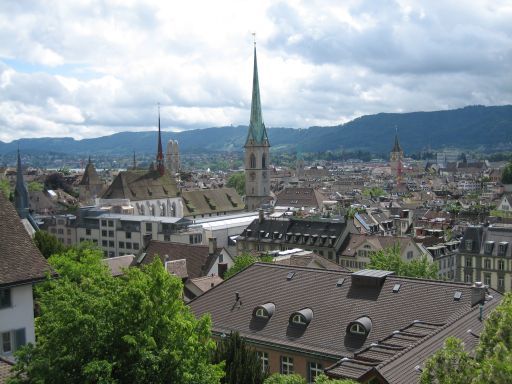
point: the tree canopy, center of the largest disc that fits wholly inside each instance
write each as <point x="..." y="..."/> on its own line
<point x="237" y="181"/>
<point x="493" y="359"/>
<point x="506" y="176"/>
<point x="278" y="378"/>
<point x="95" y="328"/>
<point x="389" y="259"/>
<point x="48" y="244"/>
<point x="242" y="364"/>
<point x="243" y="261"/>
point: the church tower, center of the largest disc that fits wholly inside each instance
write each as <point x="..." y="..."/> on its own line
<point x="21" y="191"/>
<point x="257" y="177"/>
<point x="395" y="160"/>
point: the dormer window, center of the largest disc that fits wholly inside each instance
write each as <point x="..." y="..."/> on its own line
<point x="360" y="327"/>
<point x="301" y="318"/>
<point x="469" y="245"/>
<point x="488" y="247"/>
<point x="264" y="311"/>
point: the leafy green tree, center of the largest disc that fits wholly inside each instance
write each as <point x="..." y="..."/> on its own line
<point x="373" y="192"/>
<point x="278" y="378"/>
<point x="237" y="181"/>
<point x="5" y="188"/>
<point x="48" y="244"/>
<point x="243" y="261"/>
<point x="242" y="364"/>
<point x="34" y="186"/>
<point x="95" y="328"/>
<point x="389" y="259"/>
<point x="322" y="379"/>
<point x="506" y="176"/>
<point x="493" y="359"/>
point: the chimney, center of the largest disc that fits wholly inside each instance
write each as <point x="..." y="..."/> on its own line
<point x="261" y="215"/>
<point x="222" y="268"/>
<point x="478" y="293"/>
<point x="212" y="245"/>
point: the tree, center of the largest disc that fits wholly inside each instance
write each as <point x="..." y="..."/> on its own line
<point x="493" y="359"/>
<point x="95" y="328"/>
<point x="506" y="176"/>
<point x="322" y="379"/>
<point x="34" y="186"/>
<point x="278" y="378"/>
<point x="48" y="244"/>
<point x="5" y="188"/>
<point x="242" y="364"/>
<point x="243" y="261"/>
<point x="237" y="181"/>
<point x="389" y="259"/>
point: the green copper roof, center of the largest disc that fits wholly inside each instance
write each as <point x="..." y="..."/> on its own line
<point x="257" y="131"/>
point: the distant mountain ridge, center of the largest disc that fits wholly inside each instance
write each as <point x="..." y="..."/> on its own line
<point x="485" y="128"/>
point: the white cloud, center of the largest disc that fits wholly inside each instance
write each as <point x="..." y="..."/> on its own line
<point x="93" y="67"/>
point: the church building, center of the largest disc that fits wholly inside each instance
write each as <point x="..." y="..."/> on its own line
<point x="257" y="154"/>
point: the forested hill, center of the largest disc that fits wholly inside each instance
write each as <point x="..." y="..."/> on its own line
<point x="475" y="127"/>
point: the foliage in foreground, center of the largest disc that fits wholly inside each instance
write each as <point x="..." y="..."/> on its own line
<point x="389" y="259"/>
<point x="242" y="364"/>
<point x="237" y="181"/>
<point x="492" y="362"/>
<point x="48" y="244"/>
<point x="95" y="328"/>
<point x="278" y="378"/>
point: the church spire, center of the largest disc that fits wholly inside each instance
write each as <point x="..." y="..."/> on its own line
<point x="257" y="132"/>
<point x="160" y="155"/>
<point x="20" y="191"/>
<point x="396" y="147"/>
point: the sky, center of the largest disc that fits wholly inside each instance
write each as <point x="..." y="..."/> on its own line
<point x="87" y="68"/>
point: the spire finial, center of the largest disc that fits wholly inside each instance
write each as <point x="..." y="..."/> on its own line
<point x="254" y="38"/>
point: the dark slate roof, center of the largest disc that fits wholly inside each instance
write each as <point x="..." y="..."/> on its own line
<point x="20" y="260"/>
<point x="205" y="201"/>
<point x="139" y="185"/>
<point x="474" y="233"/>
<point x="197" y="258"/>
<point x="299" y="197"/>
<point x="334" y="307"/>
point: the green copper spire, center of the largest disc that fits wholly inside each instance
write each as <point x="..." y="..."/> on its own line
<point x="257" y="132"/>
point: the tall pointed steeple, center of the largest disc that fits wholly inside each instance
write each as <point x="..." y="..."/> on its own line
<point x="396" y="147"/>
<point x="21" y="191"/>
<point x="257" y="132"/>
<point x="160" y="155"/>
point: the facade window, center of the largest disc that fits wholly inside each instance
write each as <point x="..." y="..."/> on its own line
<point x="149" y="227"/>
<point x="298" y="319"/>
<point x="128" y="235"/>
<point x="501" y="283"/>
<point x="10" y="341"/>
<point x="60" y="231"/>
<point x="110" y="233"/>
<point x="167" y="237"/>
<point x="286" y="365"/>
<point x="487" y="280"/>
<point x="488" y="247"/>
<point x="104" y="232"/>
<point x="469" y="261"/>
<point x="110" y="223"/>
<point x="501" y="265"/>
<point x="263" y="162"/>
<point x="88" y="232"/>
<point x="252" y="161"/>
<point x="128" y="245"/>
<point x="195" y="239"/>
<point x="103" y="223"/>
<point x="111" y="243"/>
<point x="68" y="231"/>
<point x="6" y="342"/>
<point x="409" y="254"/>
<point x="487" y="264"/>
<point x="103" y="243"/>
<point x="136" y="246"/>
<point x="264" y="361"/>
<point x="121" y="244"/>
<point x="5" y="298"/>
<point x="314" y="370"/>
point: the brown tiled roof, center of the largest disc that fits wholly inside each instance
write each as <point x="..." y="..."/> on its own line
<point x="20" y="260"/>
<point x="299" y="197"/>
<point x="197" y="257"/>
<point x="5" y="370"/>
<point x="334" y="307"/>
<point x="90" y="176"/>
<point x="311" y="260"/>
<point x="354" y="241"/>
<point x="205" y="201"/>
<point x="205" y="283"/>
<point x="177" y="267"/>
<point x="138" y="185"/>
<point x="118" y="263"/>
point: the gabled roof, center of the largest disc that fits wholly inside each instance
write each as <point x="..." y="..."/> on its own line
<point x="354" y="241"/>
<point x="311" y="260"/>
<point x="206" y="201"/>
<point x="141" y="185"/>
<point x="198" y="260"/>
<point x="335" y="302"/>
<point x="90" y="176"/>
<point x="299" y="197"/>
<point x="119" y="263"/>
<point x="20" y="260"/>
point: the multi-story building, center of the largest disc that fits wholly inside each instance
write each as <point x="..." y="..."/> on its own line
<point x="485" y="255"/>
